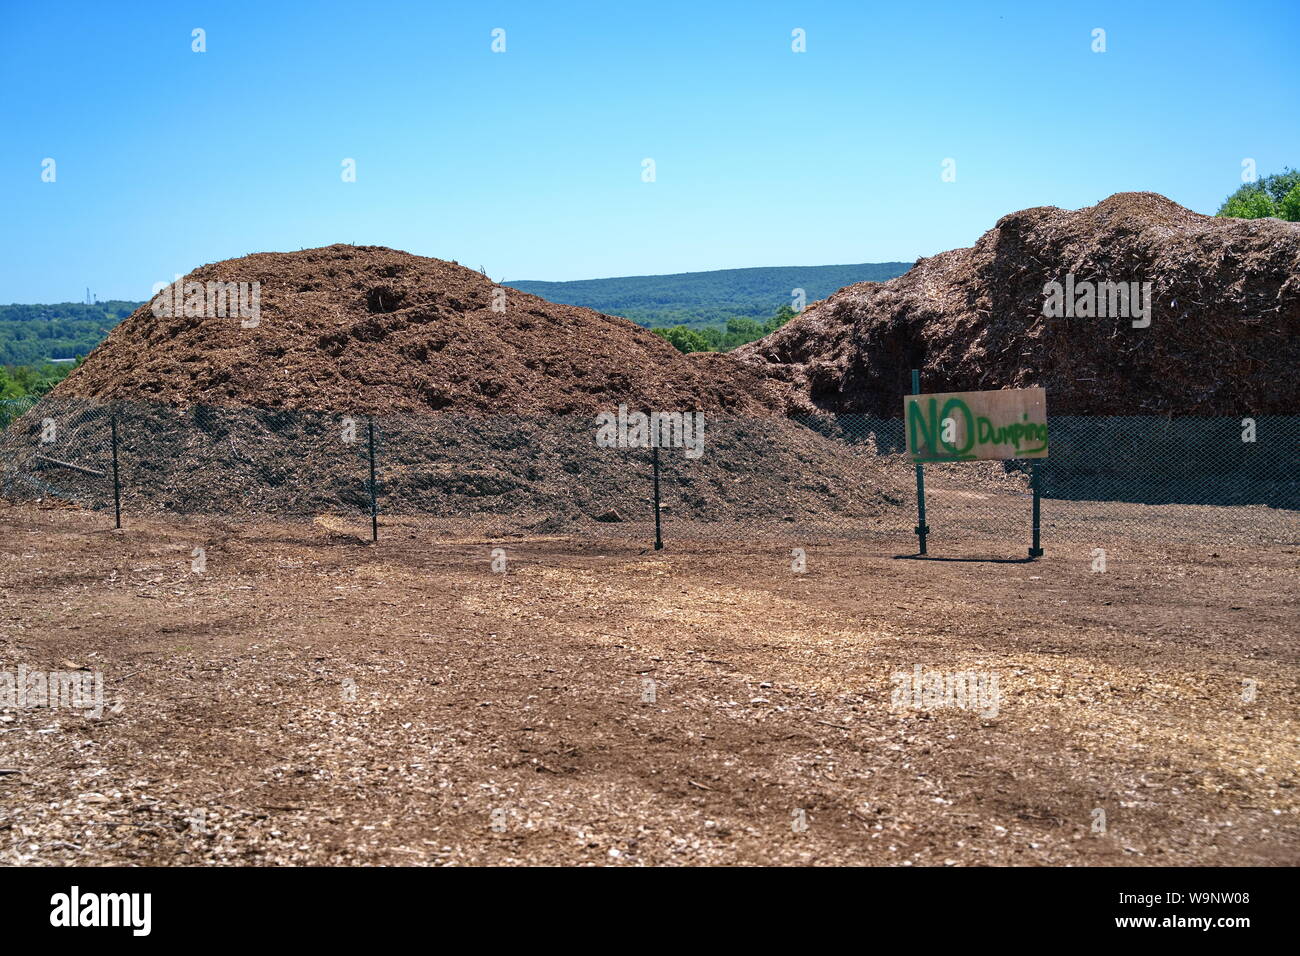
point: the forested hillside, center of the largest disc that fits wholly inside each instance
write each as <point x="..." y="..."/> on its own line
<point x="695" y="299"/>
<point x="30" y="334"/>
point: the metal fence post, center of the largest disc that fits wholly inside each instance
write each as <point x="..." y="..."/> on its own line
<point x="1035" y="551"/>
<point x="922" y="529"/>
<point x="659" y="541"/>
<point x="117" y="485"/>
<point x="374" y="508"/>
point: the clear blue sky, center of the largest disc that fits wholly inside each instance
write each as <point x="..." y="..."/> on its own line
<point x="529" y="162"/>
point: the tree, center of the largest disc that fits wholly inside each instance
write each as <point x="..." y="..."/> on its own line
<point x="1289" y="207"/>
<point x="1269" y="196"/>
<point x="1255" y="205"/>
<point x="20" y="381"/>
<point x="747" y="330"/>
<point x="783" y="315"/>
<point x="683" y="339"/>
<point x="738" y="331"/>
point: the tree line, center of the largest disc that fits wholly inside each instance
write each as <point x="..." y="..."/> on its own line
<point x="33" y="334"/>
<point x="1276" y="196"/>
<point x="736" y="332"/>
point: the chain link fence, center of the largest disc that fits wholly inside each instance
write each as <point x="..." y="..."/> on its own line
<point x="14" y="408"/>
<point x="823" y="477"/>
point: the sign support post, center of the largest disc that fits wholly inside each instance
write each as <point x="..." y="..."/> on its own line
<point x="1008" y="424"/>
<point x="659" y="538"/>
<point x="117" y="485"/>
<point x="1035" y="551"/>
<point x="921" y="528"/>
<point x="374" y="507"/>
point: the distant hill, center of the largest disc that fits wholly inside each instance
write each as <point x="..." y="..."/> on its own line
<point x="30" y="334"/>
<point x="709" y="298"/>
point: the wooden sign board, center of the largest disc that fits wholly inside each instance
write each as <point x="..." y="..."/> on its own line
<point x="975" y="426"/>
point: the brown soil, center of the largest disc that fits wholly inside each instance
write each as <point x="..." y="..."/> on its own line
<point x="1224" y="337"/>
<point x="475" y="692"/>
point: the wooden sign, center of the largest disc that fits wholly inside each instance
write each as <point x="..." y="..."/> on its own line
<point x="974" y="426"/>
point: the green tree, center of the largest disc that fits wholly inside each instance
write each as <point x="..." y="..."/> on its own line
<point x="1289" y="207"/>
<point x="683" y="339"/>
<point x="1256" y="205"/>
<point x="745" y="327"/>
<point x="710" y="338"/>
<point x="783" y="315"/>
<point x="1264" y="197"/>
<point x="19" y="381"/>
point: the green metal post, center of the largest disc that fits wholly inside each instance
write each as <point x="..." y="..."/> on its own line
<point x="1035" y="551"/>
<point x="659" y="541"/>
<point x="374" y="508"/>
<point x="922" y="529"/>
<point x="117" y="485"/>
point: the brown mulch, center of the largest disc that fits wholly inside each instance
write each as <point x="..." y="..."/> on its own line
<point x="375" y="330"/>
<point x="1224" y="335"/>
<point x="308" y="699"/>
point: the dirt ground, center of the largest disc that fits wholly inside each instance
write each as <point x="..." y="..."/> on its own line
<point x="310" y="698"/>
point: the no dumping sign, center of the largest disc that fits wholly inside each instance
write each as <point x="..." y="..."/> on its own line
<point x="975" y="426"/>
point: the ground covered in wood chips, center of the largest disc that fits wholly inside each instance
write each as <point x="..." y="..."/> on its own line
<point x="310" y="698"/>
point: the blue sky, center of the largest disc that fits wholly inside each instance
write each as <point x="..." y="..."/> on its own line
<point x="529" y="162"/>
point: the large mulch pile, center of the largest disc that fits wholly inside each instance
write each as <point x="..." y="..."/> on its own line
<point x="1224" y="337"/>
<point x="478" y="411"/>
<point x="369" y="329"/>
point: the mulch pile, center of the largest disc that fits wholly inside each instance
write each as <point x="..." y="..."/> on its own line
<point x="481" y="411"/>
<point x="1224" y="337"/>
<point x="374" y="330"/>
<point x="477" y="411"/>
<point x="542" y="472"/>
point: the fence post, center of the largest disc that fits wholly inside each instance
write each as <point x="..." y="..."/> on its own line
<point x="374" y="508"/>
<point x="117" y="485"/>
<point x="1035" y="551"/>
<point x="659" y="541"/>
<point x="922" y="529"/>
